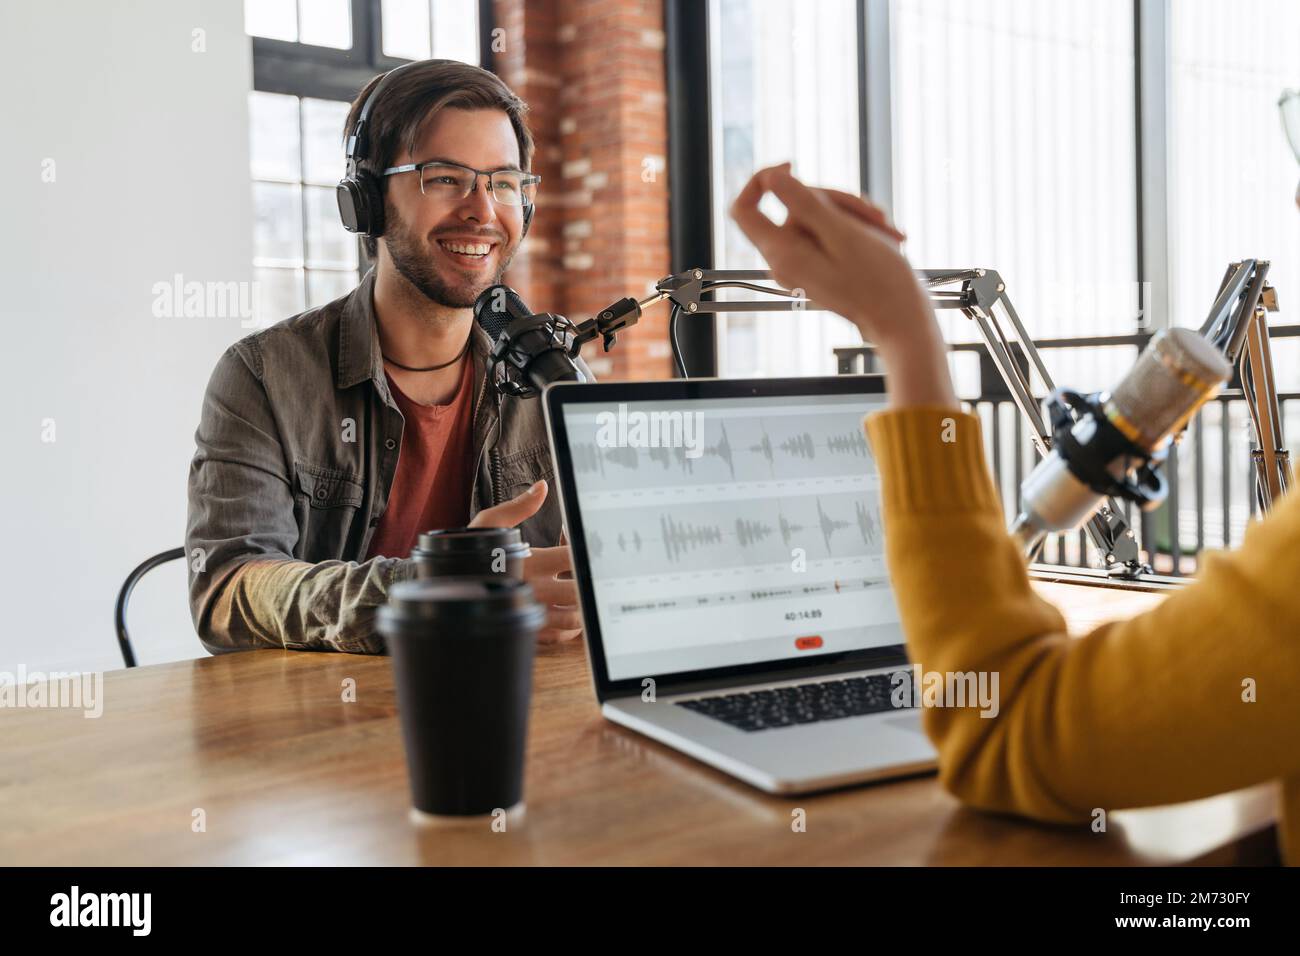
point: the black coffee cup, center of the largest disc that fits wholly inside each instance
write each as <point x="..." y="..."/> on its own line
<point x="462" y="651"/>
<point x="470" y="551"/>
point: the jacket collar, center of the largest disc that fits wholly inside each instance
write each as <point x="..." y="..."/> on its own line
<point x="359" y="355"/>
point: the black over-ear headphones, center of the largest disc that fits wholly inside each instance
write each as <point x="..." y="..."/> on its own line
<point x="360" y="192"/>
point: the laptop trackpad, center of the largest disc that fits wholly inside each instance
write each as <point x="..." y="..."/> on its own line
<point x="910" y="721"/>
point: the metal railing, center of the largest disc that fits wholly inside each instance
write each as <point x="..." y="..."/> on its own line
<point x="1211" y="479"/>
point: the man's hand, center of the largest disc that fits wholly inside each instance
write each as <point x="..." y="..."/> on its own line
<point x="844" y="254"/>
<point x="543" y="568"/>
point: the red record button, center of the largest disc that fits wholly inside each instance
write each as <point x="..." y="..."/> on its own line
<point x="807" y="643"/>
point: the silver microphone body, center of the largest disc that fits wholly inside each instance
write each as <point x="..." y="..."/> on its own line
<point x="1175" y="375"/>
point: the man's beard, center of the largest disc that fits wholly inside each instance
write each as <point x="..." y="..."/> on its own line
<point x="411" y="258"/>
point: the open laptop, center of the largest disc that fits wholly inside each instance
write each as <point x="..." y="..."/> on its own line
<point x="729" y="555"/>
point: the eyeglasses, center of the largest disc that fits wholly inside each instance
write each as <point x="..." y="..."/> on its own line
<point x="451" y="181"/>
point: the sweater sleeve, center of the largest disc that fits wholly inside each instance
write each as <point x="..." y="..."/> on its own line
<point x="1200" y="695"/>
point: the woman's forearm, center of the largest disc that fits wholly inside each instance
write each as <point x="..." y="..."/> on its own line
<point x="912" y="351"/>
<point x="916" y="374"/>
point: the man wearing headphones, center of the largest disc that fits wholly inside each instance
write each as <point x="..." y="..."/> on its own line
<point x="329" y="441"/>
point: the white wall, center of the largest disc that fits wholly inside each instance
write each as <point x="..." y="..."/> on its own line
<point x="149" y="143"/>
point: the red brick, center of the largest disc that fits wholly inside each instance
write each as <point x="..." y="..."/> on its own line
<point x="608" y="88"/>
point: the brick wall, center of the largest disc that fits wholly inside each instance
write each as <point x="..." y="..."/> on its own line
<point x="592" y="72"/>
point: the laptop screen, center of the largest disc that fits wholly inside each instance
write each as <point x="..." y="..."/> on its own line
<point x="730" y="531"/>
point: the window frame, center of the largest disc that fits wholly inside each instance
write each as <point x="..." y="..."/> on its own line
<point x="687" y="52"/>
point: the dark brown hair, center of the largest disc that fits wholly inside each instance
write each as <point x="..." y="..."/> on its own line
<point x="419" y="92"/>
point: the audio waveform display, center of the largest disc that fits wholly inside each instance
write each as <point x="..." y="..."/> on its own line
<point x="731" y="449"/>
<point x="667" y="508"/>
<point x="712" y="535"/>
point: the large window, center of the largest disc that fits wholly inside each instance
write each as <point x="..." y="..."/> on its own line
<point x="1233" y="174"/>
<point x="1015" y="142"/>
<point x="311" y="57"/>
<point x="785" y="88"/>
<point x="1013" y="138"/>
<point x="1233" y="182"/>
<point x="1108" y="157"/>
<point x="1012" y="141"/>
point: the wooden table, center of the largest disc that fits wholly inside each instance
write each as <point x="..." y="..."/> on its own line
<point x="286" y="772"/>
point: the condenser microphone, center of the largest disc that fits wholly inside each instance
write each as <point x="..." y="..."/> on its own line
<point x="529" y="350"/>
<point x="1119" y="438"/>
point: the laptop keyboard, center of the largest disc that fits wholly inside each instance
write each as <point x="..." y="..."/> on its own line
<point x="799" y="704"/>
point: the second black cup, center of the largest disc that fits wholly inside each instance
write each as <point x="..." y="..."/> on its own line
<point x="470" y="551"/>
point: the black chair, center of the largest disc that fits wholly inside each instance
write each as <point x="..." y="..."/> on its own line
<point x="124" y="595"/>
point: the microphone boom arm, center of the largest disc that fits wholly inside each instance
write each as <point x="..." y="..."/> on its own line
<point x="1238" y="326"/>
<point x="686" y="291"/>
<point x="980" y="292"/>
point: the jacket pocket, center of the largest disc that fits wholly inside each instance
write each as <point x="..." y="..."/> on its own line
<point x="512" y="474"/>
<point x="326" y="502"/>
<point x="328" y="487"/>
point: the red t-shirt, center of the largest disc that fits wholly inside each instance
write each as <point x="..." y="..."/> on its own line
<point x="431" y="487"/>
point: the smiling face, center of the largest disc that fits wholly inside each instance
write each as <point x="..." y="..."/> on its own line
<point x="453" y="249"/>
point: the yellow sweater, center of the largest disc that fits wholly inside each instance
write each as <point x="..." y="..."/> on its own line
<point x="1136" y="713"/>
